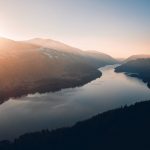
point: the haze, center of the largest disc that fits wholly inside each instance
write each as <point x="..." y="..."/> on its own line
<point x="119" y="28"/>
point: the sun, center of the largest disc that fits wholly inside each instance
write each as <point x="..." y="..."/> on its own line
<point x="4" y="29"/>
<point x="1" y="35"/>
<point x="5" y="34"/>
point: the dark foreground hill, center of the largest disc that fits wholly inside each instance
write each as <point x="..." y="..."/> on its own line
<point x="139" y="68"/>
<point x="126" y="128"/>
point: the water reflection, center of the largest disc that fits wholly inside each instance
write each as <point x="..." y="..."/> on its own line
<point x="63" y="108"/>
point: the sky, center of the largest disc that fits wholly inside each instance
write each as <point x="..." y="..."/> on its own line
<point x="117" y="27"/>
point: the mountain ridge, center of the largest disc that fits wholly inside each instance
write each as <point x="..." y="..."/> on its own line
<point x="138" y="56"/>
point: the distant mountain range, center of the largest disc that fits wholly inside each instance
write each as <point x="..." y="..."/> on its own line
<point x="43" y="65"/>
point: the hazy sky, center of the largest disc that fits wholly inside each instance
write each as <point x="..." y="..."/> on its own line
<point x="117" y="27"/>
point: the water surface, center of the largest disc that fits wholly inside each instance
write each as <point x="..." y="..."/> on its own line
<point x="64" y="108"/>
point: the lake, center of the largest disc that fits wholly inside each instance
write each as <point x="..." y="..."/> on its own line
<point x="66" y="107"/>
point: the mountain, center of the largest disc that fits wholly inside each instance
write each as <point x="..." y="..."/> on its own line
<point x="134" y="57"/>
<point x="98" y="58"/>
<point x="120" y="60"/>
<point x="59" y="46"/>
<point x="27" y="67"/>
<point x="137" y="68"/>
<point x="22" y="67"/>
<point x="54" y="45"/>
<point x="94" y="58"/>
<point x="123" y="128"/>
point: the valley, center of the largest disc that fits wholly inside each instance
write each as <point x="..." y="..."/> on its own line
<point x="29" y="67"/>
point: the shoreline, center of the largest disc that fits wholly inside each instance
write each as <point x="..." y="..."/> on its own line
<point x="138" y="68"/>
<point x="51" y="85"/>
<point x="134" y="75"/>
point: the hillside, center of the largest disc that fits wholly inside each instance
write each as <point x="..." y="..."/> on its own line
<point x="94" y="58"/>
<point x="97" y="58"/>
<point x="134" y="57"/>
<point x="28" y="68"/>
<point x="123" y="128"/>
<point x="55" y="45"/>
<point x="137" y="68"/>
